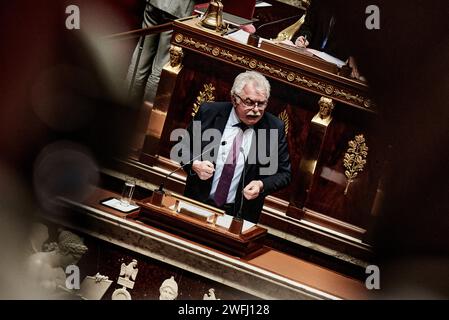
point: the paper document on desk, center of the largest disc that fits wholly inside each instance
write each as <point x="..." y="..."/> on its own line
<point x="193" y="208"/>
<point x="262" y="4"/>
<point x="239" y="36"/>
<point x="327" y="57"/>
<point x="225" y="222"/>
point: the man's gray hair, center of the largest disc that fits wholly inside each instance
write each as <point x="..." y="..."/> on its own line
<point x="260" y="82"/>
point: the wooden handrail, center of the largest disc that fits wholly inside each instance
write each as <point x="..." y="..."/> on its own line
<point x="144" y="31"/>
<point x="140" y="32"/>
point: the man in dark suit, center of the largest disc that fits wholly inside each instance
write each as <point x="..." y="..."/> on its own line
<point x="321" y="30"/>
<point x="324" y="30"/>
<point x="252" y="151"/>
<point x="151" y="53"/>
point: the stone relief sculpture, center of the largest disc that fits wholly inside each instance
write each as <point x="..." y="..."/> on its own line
<point x="128" y="274"/>
<point x="47" y="269"/>
<point x="94" y="287"/>
<point x="210" y="295"/>
<point x="130" y="270"/>
<point x="168" y="289"/>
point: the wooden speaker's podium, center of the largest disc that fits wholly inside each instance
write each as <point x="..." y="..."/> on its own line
<point x="201" y="223"/>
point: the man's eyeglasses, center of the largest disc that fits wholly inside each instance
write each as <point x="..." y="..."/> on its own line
<point x="251" y="104"/>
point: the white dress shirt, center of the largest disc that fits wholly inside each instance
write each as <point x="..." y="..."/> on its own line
<point x="229" y="134"/>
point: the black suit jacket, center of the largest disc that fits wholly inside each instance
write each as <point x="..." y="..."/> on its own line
<point x="215" y="115"/>
<point x="316" y="27"/>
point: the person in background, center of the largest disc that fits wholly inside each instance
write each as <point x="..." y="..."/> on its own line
<point x="154" y="55"/>
<point x="322" y="31"/>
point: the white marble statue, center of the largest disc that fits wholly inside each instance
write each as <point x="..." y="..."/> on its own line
<point x="211" y="295"/>
<point x="47" y="269"/>
<point x="168" y="289"/>
<point x="39" y="234"/>
<point x="128" y="274"/>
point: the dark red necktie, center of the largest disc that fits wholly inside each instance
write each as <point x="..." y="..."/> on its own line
<point x="222" y="191"/>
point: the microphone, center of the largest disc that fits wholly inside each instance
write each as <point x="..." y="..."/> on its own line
<point x="161" y="186"/>
<point x="277" y="21"/>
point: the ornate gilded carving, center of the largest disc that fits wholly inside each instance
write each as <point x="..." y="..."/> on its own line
<point x="242" y="59"/>
<point x="329" y="89"/>
<point x="179" y="38"/>
<point x="216" y="51"/>
<point x="348" y="96"/>
<point x="289" y="32"/>
<point x="207" y="95"/>
<point x="176" y="55"/>
<point x="291" y="76"/>
<point x="252" y="63"/>
<point x="368" y="103"/>
<point x="326" y="106"/>
<point x="310" y="82"/>
<point x="284" y="117"/>
<point x="197" y="44"/>
<point x="355" y="159"/>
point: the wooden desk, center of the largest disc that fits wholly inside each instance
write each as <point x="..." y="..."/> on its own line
<point x="268" y="275"/>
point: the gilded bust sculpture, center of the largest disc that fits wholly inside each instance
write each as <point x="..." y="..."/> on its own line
<point x="326" y="106"/>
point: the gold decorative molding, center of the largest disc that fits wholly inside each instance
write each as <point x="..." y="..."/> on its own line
<point x="356" y="98"/>
<point x="355" y="159"/>
<point x="303" y="81"/>
<point x="207" y="95"/>
<point x="289" y="32"/>
<point x="285" y="118"/>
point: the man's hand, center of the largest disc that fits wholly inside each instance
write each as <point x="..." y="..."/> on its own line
<point x="354" y="70"/>
<point x="253" y="189"/>
<point x="248" y="28"/>
<point x="301" y="42"/>
<point x="204" y="169"/>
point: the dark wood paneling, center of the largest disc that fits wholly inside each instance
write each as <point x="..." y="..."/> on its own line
<point x="327" y="196"/>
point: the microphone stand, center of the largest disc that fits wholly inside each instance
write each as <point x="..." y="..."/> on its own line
<point x="158" y="194"/>
<point x="237" y="221"/>
<point x="253" y="39"/>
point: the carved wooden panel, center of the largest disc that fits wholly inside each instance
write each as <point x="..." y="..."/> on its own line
<point x="328" y="186"/>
